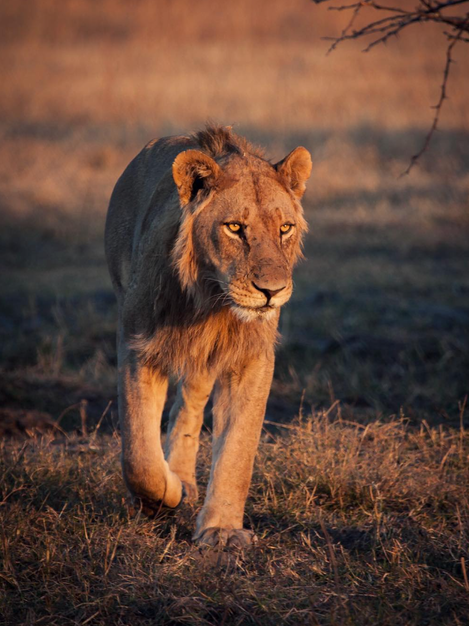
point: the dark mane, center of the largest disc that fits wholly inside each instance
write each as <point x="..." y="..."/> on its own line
<point x="219" y="141"/>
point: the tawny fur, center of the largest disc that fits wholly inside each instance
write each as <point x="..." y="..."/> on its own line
<point x="202" y="303"/>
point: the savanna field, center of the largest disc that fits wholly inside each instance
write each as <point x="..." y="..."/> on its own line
<point x="360" y="490"/>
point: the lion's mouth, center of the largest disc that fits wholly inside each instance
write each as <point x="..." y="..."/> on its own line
<point x="249" y="313"/>
<point x="260" y="309"/>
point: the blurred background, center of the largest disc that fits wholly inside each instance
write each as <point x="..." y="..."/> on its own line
<point x="379" y="321"/>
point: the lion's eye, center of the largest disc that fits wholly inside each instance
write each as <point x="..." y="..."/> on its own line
<point x="234" y="227"/>
<point x="285" y="228"/>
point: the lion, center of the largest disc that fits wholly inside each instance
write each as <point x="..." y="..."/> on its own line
<point x="201" y="238"/>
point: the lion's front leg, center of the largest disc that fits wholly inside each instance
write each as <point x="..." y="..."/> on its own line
<point x="239" y="408"/>
<point x="142" y="394"/>
<point x="185" y="421"/>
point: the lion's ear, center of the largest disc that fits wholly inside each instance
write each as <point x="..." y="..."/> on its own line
<point x="192" y="171"/>
<point x="295" y="169"/>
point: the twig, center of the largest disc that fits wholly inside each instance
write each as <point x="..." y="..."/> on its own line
<point x="464" y="573"/>
<point x="391" y="25"/>
<point x="332" y="557"/>
<point x="83" y="405"/>
<point x="351" y="22"/>
<point x="438" y="106"/>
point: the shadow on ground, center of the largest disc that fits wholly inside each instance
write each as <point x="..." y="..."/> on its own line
<point x="379" y="320"/>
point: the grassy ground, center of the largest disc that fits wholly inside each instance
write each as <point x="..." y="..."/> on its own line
<point x="357" y="525"/>
<point x="362" y="507"/>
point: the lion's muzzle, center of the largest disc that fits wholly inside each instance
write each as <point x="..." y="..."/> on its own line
<point x="268" y="291"/>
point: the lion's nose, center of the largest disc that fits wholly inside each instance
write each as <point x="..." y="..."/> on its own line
<point x="268" y="291"/>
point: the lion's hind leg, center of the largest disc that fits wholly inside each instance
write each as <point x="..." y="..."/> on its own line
<point x="185" y="421"/>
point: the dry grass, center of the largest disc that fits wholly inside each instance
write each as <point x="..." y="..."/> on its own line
<point x="357" y="525"/>
<point x="362" y="517"/>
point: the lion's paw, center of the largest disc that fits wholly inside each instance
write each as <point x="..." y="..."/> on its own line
<point x="149" y="508"/>
<point x="237" y="539"/>
<point x="190" y="493"/>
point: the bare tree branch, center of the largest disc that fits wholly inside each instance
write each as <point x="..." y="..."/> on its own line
<point x="380" y="30"/>
<point x="438" y="106"/>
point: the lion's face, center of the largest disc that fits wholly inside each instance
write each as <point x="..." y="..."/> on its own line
<point x="243" y="232"/>
<point x="250" y="234"/>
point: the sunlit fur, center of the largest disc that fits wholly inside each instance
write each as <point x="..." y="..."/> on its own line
<point x="177" y="309"/>
<point x="198" y="301"/>
<point x="248" y="315"/>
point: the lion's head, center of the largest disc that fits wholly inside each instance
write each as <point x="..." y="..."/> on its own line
<point x="242" y="223"/>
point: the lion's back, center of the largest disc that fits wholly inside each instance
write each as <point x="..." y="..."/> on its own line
<point x="131" y="198"/>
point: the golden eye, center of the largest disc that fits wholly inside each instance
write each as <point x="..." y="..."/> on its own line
<point x="234" y="227"/>
<point x="285" y="228"/>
